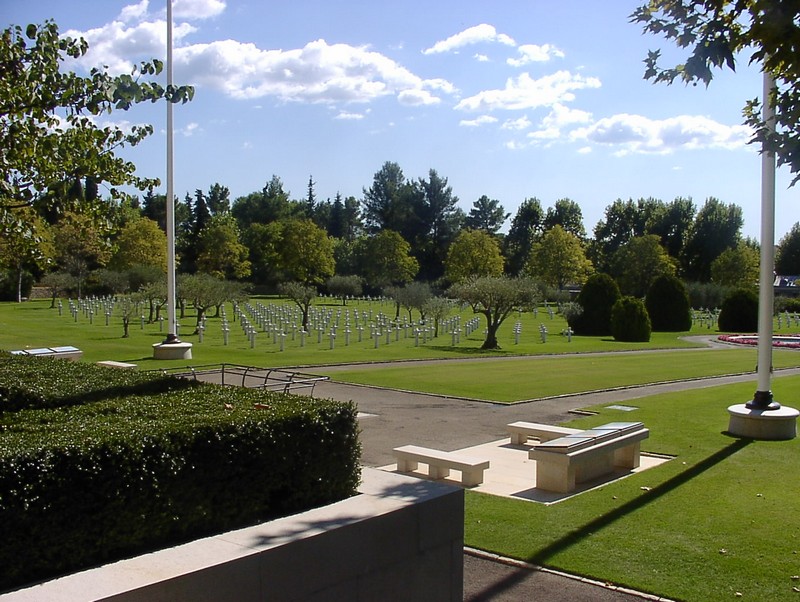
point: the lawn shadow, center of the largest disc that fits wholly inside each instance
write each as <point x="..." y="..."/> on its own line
<point x="574" y="537"/>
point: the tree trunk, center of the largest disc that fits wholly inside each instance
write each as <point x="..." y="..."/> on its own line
<point x="19" y="284"/>
<point x="491" y="336"/>
<point x="125" y="323"/>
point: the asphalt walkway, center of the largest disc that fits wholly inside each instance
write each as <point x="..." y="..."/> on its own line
<point x="390" y="418"/>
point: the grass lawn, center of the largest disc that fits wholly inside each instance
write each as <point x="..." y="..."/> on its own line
<point x="535" y="377"/>
<point x="34" y="324"/>
<point x="721" y="517"/>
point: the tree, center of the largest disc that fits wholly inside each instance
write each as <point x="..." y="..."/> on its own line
<point x="128" y="306"/>
<point x="269" y="205"/>
<point x="787" y="259"/>
<point x="738" y="267"/>
<point x="473" y="253"/>
<point x="486" y="214"/>
<point x="673" y="224"/>
<point x="715" y="33"/>
<point x="567" y="214"/>
<point x="81" y="245"/>
<point x="387" y="202"/>
<point x="559" y="259"/>
<point x="203" y="291"/>
<point x="220" y="253"/>
<point x="56" y="283"/>
<point x="302" y="294"/>
<point x="495" y="297"/>
<point x="624" y="220"/>
<point x="716" y="227"/>
<point x="345" y="221"/>
<point x="438" y="220"/>
<point x="306" y="252"/>
<point x="386" y="259"/>
<point x="639" y="262"/>
<point x="437" y="309"/>
<point x="55" y="153"/>
<point x="345" y="287"/>
<point x="526" y="226"/>
<point x="263" y="242"/>
<point x="140" y="242"/>
<point x="413" y="295"/>
<point x="25" y="245"/>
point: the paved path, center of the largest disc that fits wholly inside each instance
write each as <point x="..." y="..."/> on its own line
<point x="396" y="418"/>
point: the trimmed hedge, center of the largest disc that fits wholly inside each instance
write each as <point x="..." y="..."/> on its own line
<point x="596" y="298"/>
<point x="668" y="305"/>
<point x="126" y="473"/>
<point x="739" y="312"/>
<point x="629" y="321"/>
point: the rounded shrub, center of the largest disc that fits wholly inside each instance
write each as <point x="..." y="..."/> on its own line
<point x="739" y="311"/>
<point x="596" y="299"/>
<point x="667" y="304"/>
<point x="629" y="320"/>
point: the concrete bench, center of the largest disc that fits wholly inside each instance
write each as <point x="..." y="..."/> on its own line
<point x="520" y="431"/>
<point x="116" y="364"/>
<point x="562" y="463"/>
<point x="440" y="463"/>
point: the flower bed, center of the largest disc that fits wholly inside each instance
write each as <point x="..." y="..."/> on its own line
<point x="789" y="341"/>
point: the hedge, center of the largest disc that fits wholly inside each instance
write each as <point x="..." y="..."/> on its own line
<point x="126" y="473"/>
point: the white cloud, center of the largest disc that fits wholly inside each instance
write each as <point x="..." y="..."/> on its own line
<point x="190" y="129"/>
<point x="481" y="58"/>
<point x="532" y="53"/>
<point x="197" y="9"/>
<point x="639" y="134"/>
<point x="473" y="35"/>
<point x="318" y="72"/>
<point x="344" y="115"/>
<point x="559" y="118"/>
<point x="479" y="121"/>
<point x="132" y="12"/>
<point x="526" y="92"/>
<point x="523" y="123"/>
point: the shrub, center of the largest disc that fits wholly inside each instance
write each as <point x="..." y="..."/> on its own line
<point x="790" y="304"/>
<point x="667" y="304"/>
<point x="596" y="299"/>
<point x="739" y="312"/>
<point x="629" y="320"/>
<point x="130" y="472"/>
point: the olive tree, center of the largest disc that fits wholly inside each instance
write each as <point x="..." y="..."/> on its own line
<point x="495" y="297"/>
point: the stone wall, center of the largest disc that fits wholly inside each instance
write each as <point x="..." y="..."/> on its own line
<point x="400" y="539"/>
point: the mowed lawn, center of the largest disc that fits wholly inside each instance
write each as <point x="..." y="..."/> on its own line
<point x="509" y="380"/>
<point x="719" y="521"/>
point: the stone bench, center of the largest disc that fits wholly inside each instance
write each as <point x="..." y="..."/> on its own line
<point x="66" y="352"/>
<point x="440" y="463"/>
<point x="116" y="364"/>
<point x="562" y="463"/>
<point x="520" y="431"/>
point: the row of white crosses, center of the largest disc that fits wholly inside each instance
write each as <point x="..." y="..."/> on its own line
<point x="789" y="319"/>
<point x="705" y="317"/>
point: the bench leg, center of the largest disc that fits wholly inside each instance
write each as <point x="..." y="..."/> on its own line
<point x="628" y="457"/>
<point x="470" y="478"/>
<point x="406" y="465"/>
<point x="438" y="472"/>
<point x="555" y="477"/>
<point x="518" y="439"/>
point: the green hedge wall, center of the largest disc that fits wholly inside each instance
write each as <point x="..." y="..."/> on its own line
<point x="133" y="470"/>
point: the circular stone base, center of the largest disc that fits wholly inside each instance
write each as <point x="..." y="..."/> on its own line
<point x="172" y="351"/>
<point x="770" y="425"/>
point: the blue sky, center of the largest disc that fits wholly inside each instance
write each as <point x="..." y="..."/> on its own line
<point x="511" y="99"/>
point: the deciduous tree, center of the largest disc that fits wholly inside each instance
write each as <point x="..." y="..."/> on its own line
<point x="639" y="262"/>
<point x="473" y="253"/>
<point x="495" y="297"/>
<point x="559" y="259"/>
